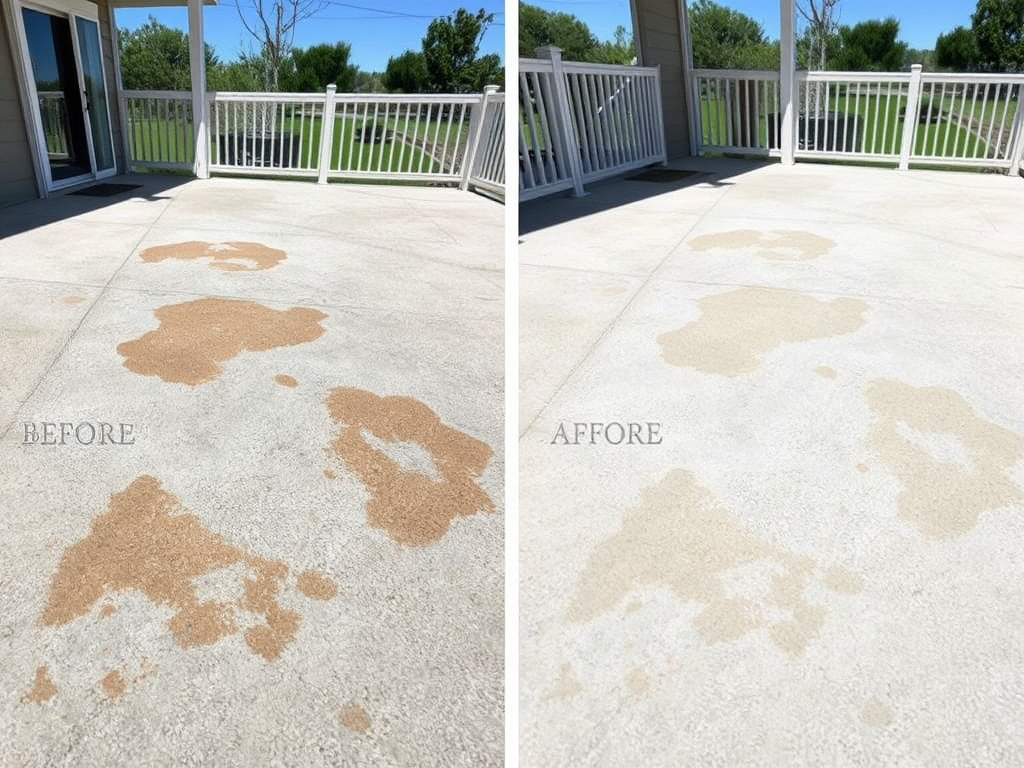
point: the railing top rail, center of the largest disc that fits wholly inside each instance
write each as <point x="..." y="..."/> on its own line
<point x="971" y="77"/>
<point x="611" y="69"/>
<point x="741" y="74"/>
<point x="819" y="76"/>
<point x="370" y="98"/>
<point x="156" y="94"/>
<point x="535" y="65"/>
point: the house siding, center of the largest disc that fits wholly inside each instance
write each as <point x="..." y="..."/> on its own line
<point x="659" y="33"/>
<point x="17" y="174"/>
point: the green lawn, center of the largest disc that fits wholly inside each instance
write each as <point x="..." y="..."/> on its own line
<point x="941" y="138"/>
<point x="153" y="142"/>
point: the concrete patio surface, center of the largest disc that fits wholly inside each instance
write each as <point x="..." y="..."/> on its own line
<point x="819" y="564"/>
<point x="299" y="558"/>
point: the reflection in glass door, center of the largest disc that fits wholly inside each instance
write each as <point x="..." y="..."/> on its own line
<point x="95" y="91"/>
<point x="57" y="86"/>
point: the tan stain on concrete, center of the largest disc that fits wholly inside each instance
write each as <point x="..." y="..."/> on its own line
<point x="229" y="257"/>
<point x="412" y="507"/>
<point x="840" y="579"/>
<point x="862" y="468"/>
<point x="777" y="245"/>
<point x="565" y="686"/>
<point x="633" y="606"/>
<point x="329" y="474"/>
<point x="316" y="585"/>
<point x="876" y="713"/>
<point x="106" y="610"/>
<point x="825" y="372"/>
<point x="285" y="380"/>
<point x="942" y="498"/>
<point x="72" y="300"/>
<point x="638" y="682"/>
<point x="196" y="336"/>
<point x="680" y="539"/>
<point x="43" y="688"/>
<point x="737" y="328"/>
<point x="113" y="684"/>
<point x="355" y="718"/>
<point x="148" y="542"/>
<point x="614" y="290"/>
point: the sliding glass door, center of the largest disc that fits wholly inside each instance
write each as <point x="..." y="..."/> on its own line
<point x="66" y="73"/>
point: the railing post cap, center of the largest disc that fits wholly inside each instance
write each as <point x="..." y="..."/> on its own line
<point x="548" y="52"/>
<point x="916" y="67"/>
<point x="332" y="88"/>
<point x="491" y="88"/>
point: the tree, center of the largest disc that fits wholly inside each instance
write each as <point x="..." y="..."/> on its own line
<point x="318" y="66"/>
<point x="274" y="29"/>
<point x="727" y="39"/>
<point x="957" y="50"/>
<point x="406" y="73"/>
<point x="619" y="50"/>
<point x="369" y="82"/>
<point x="539" y="27"/>
<point x="822" y="18"/>
<point x="871" y="46"/>
<point x="998" y="27"/>
<point x="450" y="50"/>
<point x="155" y="57"/>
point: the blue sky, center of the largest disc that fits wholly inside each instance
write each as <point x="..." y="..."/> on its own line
<point x="377" y="29"/>
<point x="921" y="21"/>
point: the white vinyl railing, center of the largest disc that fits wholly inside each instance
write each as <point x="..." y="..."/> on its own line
<point x="579" y="122"/>
<point x="159" y="128"/>
<point x="488" y="170"/>
<point x="324" y="135"/>
<point x="738" y="110"/>
<point x="904" y="118"/>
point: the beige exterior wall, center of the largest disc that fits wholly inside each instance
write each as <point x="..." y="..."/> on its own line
<point x="658" y="31"/>
<point x="17" y="176"/>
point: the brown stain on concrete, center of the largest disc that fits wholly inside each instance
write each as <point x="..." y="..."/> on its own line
<point x="72" y="300"/>
<point x="329" y="474"/>
<point x="355" y="718"/>
<point x="113" y="684"/>
<point x="229" y="256"/>
<point x="942" y="499"/>
<point x="196" y="336"/>
<point x="147" y="542"/>
<point x="314" y="584"/>
<point x="840" y="579"/>
<point x="413" y="508"/>
<point x="285" y="380"/>
<point x="862" y="468"/>
<point x="106" y="610"/>
<point x="825" y="372"/>
<point x="565" y="686"/>
<point x="679" y="538"/>
<point x="777" y="245"/>
<point x="737" y="328"/>
<point x="638" y="682"/>
<point x="876" y="713"/>
<point x="43" y="688"/>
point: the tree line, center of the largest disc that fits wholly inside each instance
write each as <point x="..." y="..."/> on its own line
<point x="724" y="38"/>
<point x="156" y="57"/>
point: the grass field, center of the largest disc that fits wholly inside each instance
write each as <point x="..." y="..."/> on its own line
<point x="156" y="141"/>
<point x="946" y="136"/>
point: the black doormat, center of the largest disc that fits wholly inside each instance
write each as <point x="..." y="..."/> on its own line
<point x="663" y="175"/>
<point x="106" y="190"/>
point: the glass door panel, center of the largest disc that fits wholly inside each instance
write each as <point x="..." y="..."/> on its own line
<point x="52" y="56"/>
<point x="95" y="89"/>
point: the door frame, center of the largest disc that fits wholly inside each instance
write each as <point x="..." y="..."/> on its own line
<point x="69" y="9"/>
